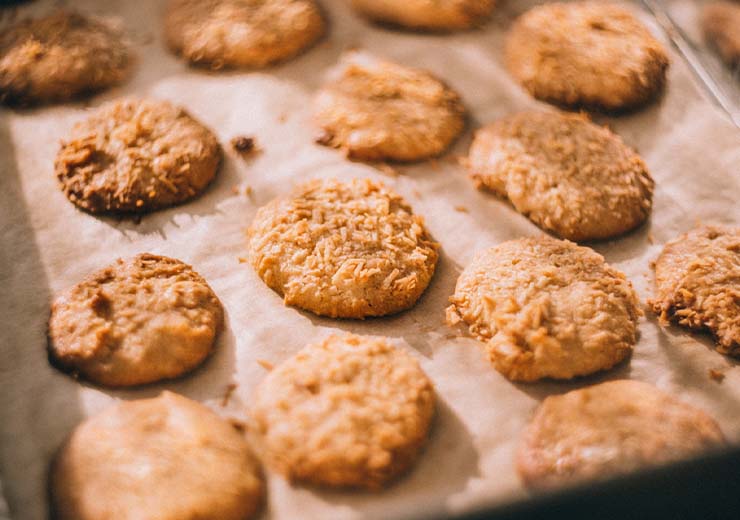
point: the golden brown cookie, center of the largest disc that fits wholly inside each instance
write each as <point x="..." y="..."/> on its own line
<point x="60" y="57"/>
<point x="589" y="54"/>
<point x="136" y="156"/>
<point x="378" y="110"/>
<point x="720" y="22"/>
<point x="429" y="15"/>
<point x="167" y="458"/>
<point x="566" y="174"/>
<point x="697" y="278"/>
<point x="350" y="411"/>
<point x="137" y="321"/>
<point x="344" y="250"/>
<point x="609" y="429"/>
<point x="546" y="308"/>
<point x="241" y="33"/>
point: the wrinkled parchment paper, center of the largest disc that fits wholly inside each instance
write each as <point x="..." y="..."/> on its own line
<point x="47" y="245"/>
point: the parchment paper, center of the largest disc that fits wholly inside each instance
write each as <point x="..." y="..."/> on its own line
<point x="48" y="245"/>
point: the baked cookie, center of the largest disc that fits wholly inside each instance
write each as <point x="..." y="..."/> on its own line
<point x="167" y="458"/>
<point x="429" y="15"/>
<point x="566" y="174"/>
<point x="137" y="321"/>
<point x="697" y="278"/>
<point x="378" y="110"/>
<point x="720" y="22"/>
<point x="136" y="156"/>
<point x="546" y="308"/>
<point x="350" y="411"/>
<point x="608" y="429"/>
<point x="241" y="33"/>
<point x="590" y="54"/>
<point x="60" y="57"/>
<point x="344" y="250"/>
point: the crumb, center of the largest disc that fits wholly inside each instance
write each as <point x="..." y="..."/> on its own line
<point x="417" y="194"/>
<point x="242" y="260"/>
<point x="461" y="209"/>
<point x="717" y="375"/>
<point x="265" y="364"/>
<point x="244" y="145"/>
<point x="235" y="189"/>
<point x="387" y="169"/>
<point x="324" y="138"/>
<point x="227" y="394"/>
<point x="450" y="336"/>
<point x="651" y="238"/>
<point x="238" y="425"/>
<point x="247" y="190"/>
<point x="282" y="118"/>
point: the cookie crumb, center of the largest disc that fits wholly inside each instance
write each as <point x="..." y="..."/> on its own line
<point x="717" y="375"/>
<point x="265" y="364"/>
<point x="387" y="169"/>
<point x="242" y="260"/>
<point x="238" y="425"/>
<point x="651" y="238"/>
<point x="244" y="145"/>
<point x="227" y="394"/>
<point x="461" y="209"/>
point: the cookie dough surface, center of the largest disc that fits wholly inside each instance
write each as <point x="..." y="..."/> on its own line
<point x="167" y="458"/>
<point x="135" y="156"/>
<point x="720" y="22"/>
<point x="350" y="411"/>
<point x="378" y="110"/>
<point x="136" y="321"/>
<point x="697" y="278"/>
<point x="566" y="174"/>
<point x="343" y="249"/>
<point x="546" y="308"/>
<point x="608" y="429"/>
<point x="60" y="57"/>
<point x="241" y="33"/>
<point x="594" y="55"/>
<point x="431" y="15"/>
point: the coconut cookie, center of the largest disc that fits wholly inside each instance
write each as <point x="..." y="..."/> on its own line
<point x="546" y="308"/>
<point x="350" y="411"/>
<point x="378" y="110"/>
<point x="566" y="174"/>
<point x="344" y="250"/>
<point x="167" y="458"/>
<point x="137" y="321"/>
<point x="136" y="156"/>
<point x="241" y="33"/>
<point x="430" y="15"/>
<point x="697" y="278"/>
<point x="590" y="54"/>
<point x="60" y="57"/>
<point x="609" y="429"/>
<point x="721" y="25"/>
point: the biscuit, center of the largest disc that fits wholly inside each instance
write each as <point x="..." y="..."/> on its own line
<point x="609" y="429"/>
<point x="60" y="57"/>
<point x="350" y="411"/>
<point x="546" y="308"/>
<point x="566" y="174"/>
<point x="136" y="156"/>
<point x="429" y="15"/>
<point x="378" y="110"/>
<point x="343" y="250"/>
<point x="594" y="55"/>
<point x="241" y="33"/>
<point x="166" y="458"/>
<point x="720" y="22"/>
<point x="137" y="321"/>
<point x="697" y="279"/>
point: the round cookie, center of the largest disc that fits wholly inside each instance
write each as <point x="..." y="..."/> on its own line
<point x="429" y="15"/>
<point x="137" y="321"/>
<point x="697" y="278"/>
<point x="378" y="110"/>
<point x="566" y="174"/>
<point x="60" y="57"/>
<point x="241" y="33"/>
<point x="136" y="156"/>
<point x="350" y="411"/>
<point x="589" y="54"/>
<point x="720" y="22"/>
<point x="609" y="429"/>
<point x="167" y="458"/>
<point x="343" y="250"/>
<point x="546" y="308"/>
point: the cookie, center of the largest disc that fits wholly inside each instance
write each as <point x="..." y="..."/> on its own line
<point x="350" y="411"/>
<point x="720" y="22"/>
<point x="137" y="321"/>
<point x="377" y="110"/>
<point x="566" y="174"/>
<point x="594" y="55"/>
<point x="166" y="458"/>
<point x="241" y="33"/>
<point x="546" y="308"/>
<point x="428" y="15"/>
<point x="697" y="278"/>
<point x="609" y="429"/>
<point x="136" y="156"/>
<point x="60" y="57"/>
<point x="343" y="250"/>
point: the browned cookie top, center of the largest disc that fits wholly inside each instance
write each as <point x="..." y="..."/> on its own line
<point x="431" y="15"/>
<point x="721" y="24"/>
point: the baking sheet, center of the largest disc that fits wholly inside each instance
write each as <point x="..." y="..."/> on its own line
<point x="47" y="245"/>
